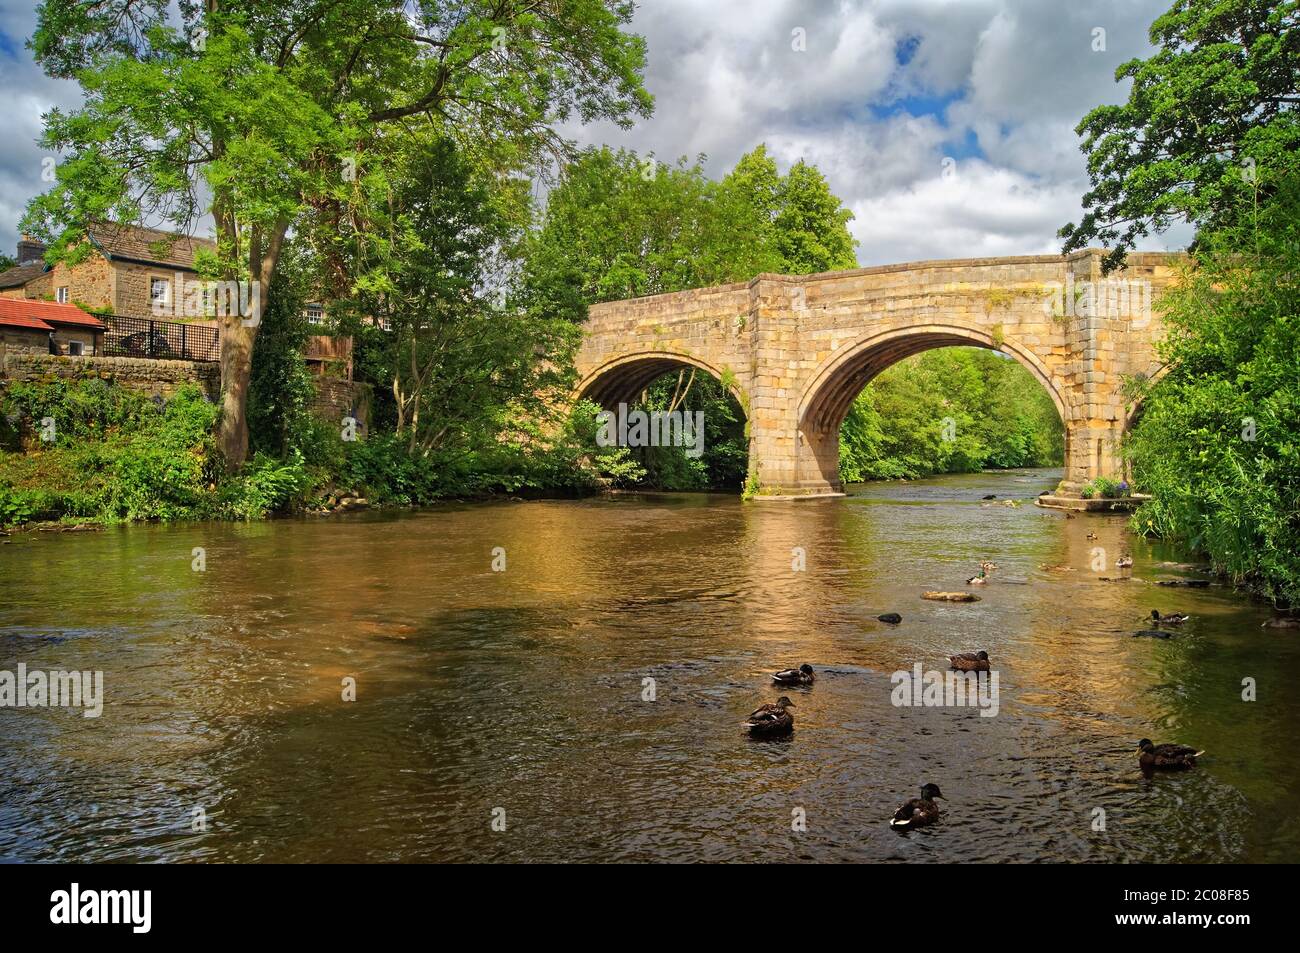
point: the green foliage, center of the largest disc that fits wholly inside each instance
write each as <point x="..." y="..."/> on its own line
<point x="1210" y="128"/>
<point x="456" y="354"/>
<point x="266" y="485"/>
<point x="723" y="462"/>
<point x="270" y="116"/>
<point x="1106" y="488"/>
<point x="1217" y="443"/>
<point x="16" y="507"/>
<point x="620" y="225"/>
<point x="280" y="390"/>
<point x="86" y="409"/>
<point x="534" y="457"/>
<point x="995" y="411"/>
<point x="122" y="456"/>
<point x="119" y="454"/>
<point x="811" y="225"/>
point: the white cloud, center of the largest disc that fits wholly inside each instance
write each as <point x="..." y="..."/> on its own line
<point x="1000" y="84"/>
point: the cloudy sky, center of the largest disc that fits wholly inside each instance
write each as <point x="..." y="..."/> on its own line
<point x="945" y="125"/>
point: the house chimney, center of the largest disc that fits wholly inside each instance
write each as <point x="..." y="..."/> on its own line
<point x="29" y="249"/>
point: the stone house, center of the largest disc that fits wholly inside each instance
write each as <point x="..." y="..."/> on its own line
<point x="130" y="271"/>
<point x="144" y="273"/>
<point x="45" y="327"/>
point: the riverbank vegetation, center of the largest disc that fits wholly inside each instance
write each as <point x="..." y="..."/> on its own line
<point x="1211" y="134"/>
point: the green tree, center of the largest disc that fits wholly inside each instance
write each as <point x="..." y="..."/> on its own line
<point x="1218" y="440"/>
<point x="280" y="388"/>
<point x="1210" y="128"/>
<point x="259" y="111"/>
<point x="811" y="224"/>
<point x="432" y="255"/>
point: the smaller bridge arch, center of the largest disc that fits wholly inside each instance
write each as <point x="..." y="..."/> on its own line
<point x="622" y="379"/>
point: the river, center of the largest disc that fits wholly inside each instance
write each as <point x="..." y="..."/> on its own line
<point x="518" y="699"/>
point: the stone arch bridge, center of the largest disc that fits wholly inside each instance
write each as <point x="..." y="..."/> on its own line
<point x="796" y="350"/>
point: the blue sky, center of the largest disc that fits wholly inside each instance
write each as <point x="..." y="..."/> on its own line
<point x="945" y="125"/>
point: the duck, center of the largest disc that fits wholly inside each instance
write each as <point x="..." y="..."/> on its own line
<point x="970" y="662"/>
<point x="1124" y="562"/>
<point x="1280" y="622"/>
<point x="1166" y="757"/>
<point x="918" y="812"/>
<point x="803" y="675"/>
<point x="772" y="719"/>
<point x="979" y="580"/>
<point x="1174" y="618"/>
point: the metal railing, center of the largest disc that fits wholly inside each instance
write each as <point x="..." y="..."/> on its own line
<point x="160" y="340"/>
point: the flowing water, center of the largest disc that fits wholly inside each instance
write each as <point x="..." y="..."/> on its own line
<point x="520" y="695"/>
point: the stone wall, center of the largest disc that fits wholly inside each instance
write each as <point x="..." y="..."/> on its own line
<point x="162" y="378"/>
<point x="796" y="350"/>
<point x="336" y="398"/>
<point x="24" y="341"/>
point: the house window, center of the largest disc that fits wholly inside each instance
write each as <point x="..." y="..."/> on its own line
<point x="315" y="314"/>
<point x="159" y="290"/>
<point x="76" y="349"/>
<point x="62" y="295"/>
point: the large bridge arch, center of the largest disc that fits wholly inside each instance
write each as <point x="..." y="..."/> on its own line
<point x="796" y="349"/>
<point x="836" y="383"/>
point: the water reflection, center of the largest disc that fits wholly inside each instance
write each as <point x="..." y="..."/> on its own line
<point x="523" y="689"/>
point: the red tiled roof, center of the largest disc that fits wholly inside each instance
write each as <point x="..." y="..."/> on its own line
<point x="17" y="321"/>
<point x="47" y="312"/>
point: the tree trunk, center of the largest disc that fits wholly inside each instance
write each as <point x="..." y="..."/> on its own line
<point x="238" y="332"/>
<point x="236" y="372"/>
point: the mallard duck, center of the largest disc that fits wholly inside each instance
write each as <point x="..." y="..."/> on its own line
<point x="970" y="662"/>
<point x="1174" y="618"/>
<point x="1166" y="757"/>
<point x="1280" y="622"/>
<point x="918" y="812"/>
<point x="1124" y="562"/>
<point x="979" y="580"/>
<point x="772" y="719"/>
<point x="803" y="675"/>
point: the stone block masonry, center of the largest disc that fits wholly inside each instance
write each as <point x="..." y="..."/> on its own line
<point x="161" y="378"/>
<point x="796" y="350"/>
<point x="334" y="398"/>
